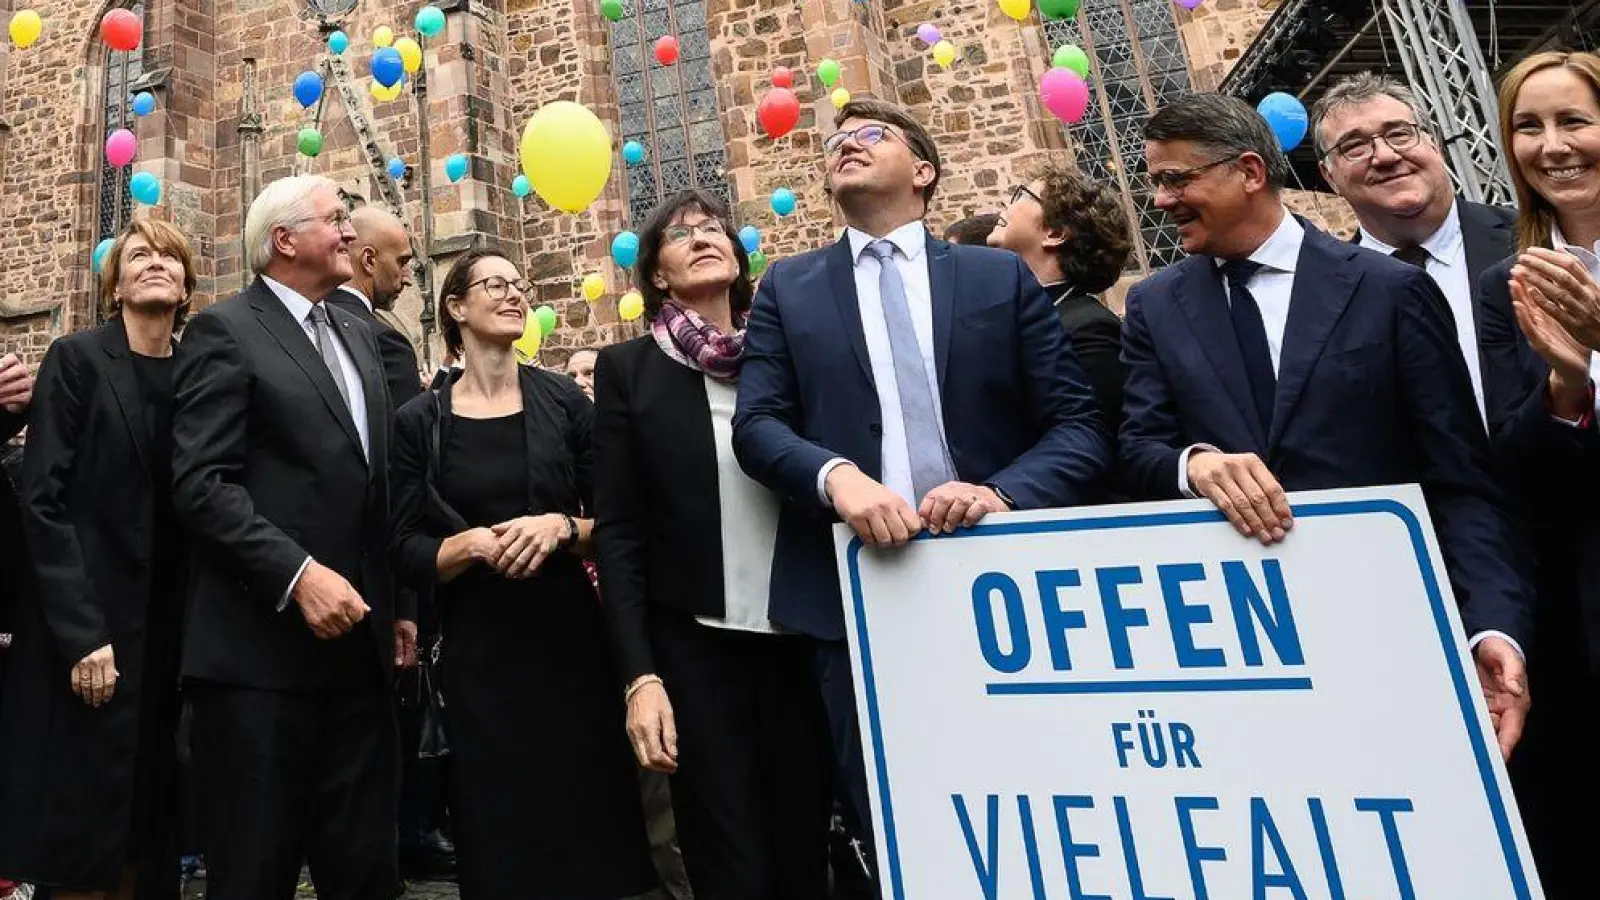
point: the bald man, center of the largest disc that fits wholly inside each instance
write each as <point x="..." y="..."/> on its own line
<point x="381" y="261"/>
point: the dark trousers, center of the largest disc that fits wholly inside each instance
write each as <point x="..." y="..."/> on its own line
<point x="286" y="777"/>
<point x="832" y="671"/>
<point x="750" y="794"/>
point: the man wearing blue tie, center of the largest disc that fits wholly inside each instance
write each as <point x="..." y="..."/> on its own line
<point x="900" y="383"/>
<point x="1277" y="358"/>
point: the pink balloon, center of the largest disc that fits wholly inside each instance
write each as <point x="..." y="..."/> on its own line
<point x="928" y="33"/>
<point x="1065" y="94"/>
<point x="121" y="147"/>
<point x="1189" y="4"/>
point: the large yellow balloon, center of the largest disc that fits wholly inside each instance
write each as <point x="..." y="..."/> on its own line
<point x="410" y="54"/>
<point x="527" y="346"/>
<point x="383" y="37"/>
<point x="944" y="53"/>
<point x="26" y="26"/>
<point x="1016" y="9"/>
<point x="385" y="94"/>
<point x="594" y="286"/>
<point x="631" y="306"/>
<point x="566" y="154"/>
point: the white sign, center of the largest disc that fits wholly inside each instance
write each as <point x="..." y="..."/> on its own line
<point x="1136" y="703"/>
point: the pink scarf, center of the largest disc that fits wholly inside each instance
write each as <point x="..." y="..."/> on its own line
<point x="696" y="343"/>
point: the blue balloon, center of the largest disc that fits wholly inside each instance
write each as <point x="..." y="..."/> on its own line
<point x="387" y="67"/>
<point x="783" y="201"/>
<point x="144" y="103"/>
<point x="1286" y="116"/>
<point x="308" y="89"/>
<point x="100" y="251"/>
<point x="338" y="42"/>
<point x="455" y="167"/>
<point x="625" y="249"/>
<point x="750" y="238"/>
<point x="633" y="153"/>
<point x="145" y="188"/>
<point x="397" y="168"/>
<point x="521" y="186"/>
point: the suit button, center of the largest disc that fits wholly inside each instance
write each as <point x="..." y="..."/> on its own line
<point x="876" y="429"/>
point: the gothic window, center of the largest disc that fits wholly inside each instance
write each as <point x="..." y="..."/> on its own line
<point x="116" y="106"/>
<point x="670" y="110"/>
<point x="1137" y="65"/>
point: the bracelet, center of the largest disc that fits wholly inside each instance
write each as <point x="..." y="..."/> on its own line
<point x="572" y="530"/>
<point x="638" y="684"/>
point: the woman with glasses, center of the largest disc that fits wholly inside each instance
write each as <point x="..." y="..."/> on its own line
<point x="716" y="694"/>
<point x="490" y="474"/>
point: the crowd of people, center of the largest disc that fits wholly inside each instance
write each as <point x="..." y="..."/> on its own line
<point x="236" y="540"/>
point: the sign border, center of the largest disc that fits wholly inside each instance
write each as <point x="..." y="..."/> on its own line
<point x="1436" y="600"/>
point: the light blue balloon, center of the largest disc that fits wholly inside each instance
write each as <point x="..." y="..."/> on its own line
<point x="397" y="168"/>
<point x="387" y="67"/>
<point x="633" y="153"/>
<point x="750" y="238"/>
<point x="145" y="188"/>
<point x="144" y="103"/>
<point x="100" y="251"/>
<point x="520" y="186"/>
<point x="625" y="249"/>
<point x="308" y="89"/>
<point x="430" y="21"/>
<point x="338" y="42"/>
<point x="783" y="201"/>
<point x="1286" y="116"/>
<point x="455" y="167"/>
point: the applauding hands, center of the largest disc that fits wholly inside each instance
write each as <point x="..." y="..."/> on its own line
<point x="515" y="548"/>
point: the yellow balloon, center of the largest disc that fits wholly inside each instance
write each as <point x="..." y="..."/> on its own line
<point x="383" y="37"/>
<point x="527" y="346"/>
<point x="1016" y="9"/>
<point x="384" y="94"/>
<point x="840" y="98"/>
<point x="594" y="287"/>
<point x="631" y="306"/>
<point x="944" y="53"/>
<point x="410" y="54"/>
<point x="566" y="154"/>
<point x="26" y="26"/>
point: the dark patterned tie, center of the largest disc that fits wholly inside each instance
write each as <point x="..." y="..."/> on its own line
<point x="1252" y="334"/>
<point x="1412" y="254"/>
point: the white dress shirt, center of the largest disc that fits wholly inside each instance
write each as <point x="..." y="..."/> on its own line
<point x="300" y="310"/>
<point x="911" y="243"/>
<point x="1447" y="263"/>
<point x="1590" y="257"/>
<point x="749" y="517"/>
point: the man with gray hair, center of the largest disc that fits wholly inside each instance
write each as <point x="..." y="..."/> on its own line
<point x="280" y="423"/>
<point x="1376" y="149"/>
<point x="1277" y="358"/>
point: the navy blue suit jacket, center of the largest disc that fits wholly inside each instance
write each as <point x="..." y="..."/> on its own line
<point x="1018" y="410"/>
<point x="1372" y="390"/>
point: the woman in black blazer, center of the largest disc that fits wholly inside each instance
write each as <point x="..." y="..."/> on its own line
<point x="89" y="787"/>
<point x="716" y="693"/>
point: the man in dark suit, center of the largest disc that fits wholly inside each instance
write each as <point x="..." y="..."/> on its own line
<point x="281" y="426"/>
<point x="899" y="383"/>
<point x="380" y="263"/>
<point x="1377" y="151"/>
<point x="1073" y="235"/>
<point x="1277" y="358"/>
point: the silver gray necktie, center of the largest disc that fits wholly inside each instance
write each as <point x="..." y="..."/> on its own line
<point x="924" y="442"/>
<point x="330" y="355"/>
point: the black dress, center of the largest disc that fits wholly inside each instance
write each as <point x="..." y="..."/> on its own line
<point x="545" y="800"/>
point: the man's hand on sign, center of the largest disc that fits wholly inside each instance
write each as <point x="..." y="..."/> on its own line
<point x="878" y="515"/>
<point x="955" y="504"/>
<point x="1504" y="677"/>
<point x="1240" y="485"/>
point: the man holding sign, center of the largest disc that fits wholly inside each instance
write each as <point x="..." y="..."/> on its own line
<point x="1277" y="358"/>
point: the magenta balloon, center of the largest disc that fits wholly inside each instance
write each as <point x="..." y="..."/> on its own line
<point x="121" y="147"/>
<point x="1065" y="94"/>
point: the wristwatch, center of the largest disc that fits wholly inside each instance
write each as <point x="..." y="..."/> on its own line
<point x="1004" y="497"/>
<point x="572" y="531"/>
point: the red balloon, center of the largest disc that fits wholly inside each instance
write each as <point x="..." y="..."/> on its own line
<point x="121" y="29"/>
<point x="666" y="50"/>
<point x="779" y="112"/>
<point x="782" y="77"/>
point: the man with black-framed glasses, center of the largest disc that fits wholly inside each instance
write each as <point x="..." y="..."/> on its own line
<point x="1376" y="150"/>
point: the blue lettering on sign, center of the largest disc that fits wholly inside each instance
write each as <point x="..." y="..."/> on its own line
<point x="987" y="866"/>
<point x="1386" y="808"/>
<point x="983" y="591"/>
<point x="1071" y="851"/>
<point x="1265" y="831"/>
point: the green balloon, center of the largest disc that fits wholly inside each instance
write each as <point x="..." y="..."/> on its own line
<point x="1071" y="56"/>
<point x="1058" y="9"/>
<point x="310" y="141"/>
<point x="611" y="9"/>
<point x="828" y="71"/>
<point x="758" y="264"/>
<point x="546" y="316"/>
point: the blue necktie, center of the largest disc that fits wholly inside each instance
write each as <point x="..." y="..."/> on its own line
<point x="925" y="443"/>
<point x="1252" y="335"/>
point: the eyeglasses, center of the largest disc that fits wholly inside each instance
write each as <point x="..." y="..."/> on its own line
<point x="338" y="219"/>
<point x="1022" y="190"/>
<point x="498" y="288"/>
<point x="1174" y="181"/>
<point x="1400" y="136"/>
<point x="866" y="136"/>
<point x="682" y="234"/>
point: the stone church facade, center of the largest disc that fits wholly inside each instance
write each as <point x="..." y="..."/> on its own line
<point x="226" y="123"/>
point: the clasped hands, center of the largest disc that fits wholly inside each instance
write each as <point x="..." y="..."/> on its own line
<point x="518" y="547"/>
<point x="1557" y="304"/>
<point x="882" y="518"/>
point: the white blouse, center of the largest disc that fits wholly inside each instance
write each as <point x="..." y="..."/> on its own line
<point x="749" y="515"/>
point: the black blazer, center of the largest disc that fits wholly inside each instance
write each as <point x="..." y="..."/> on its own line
<point x="658" y="525"/>
<point x="16" y="569"/>
<point x="268" y="469"/>
<point x="1096" y="336"/>
<point x="399" y="360"/>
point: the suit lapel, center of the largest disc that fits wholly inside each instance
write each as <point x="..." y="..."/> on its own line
<point x="1205" y="306"/>
<point x="1322" y="288"/>
<point x="942" y="282"/>
<point x="289" y="334"/>
<point x="1488" y="239"/>
<point x="842" y="278"/>
<point x="373" y="386"/>
<point x="124" y="382"/>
